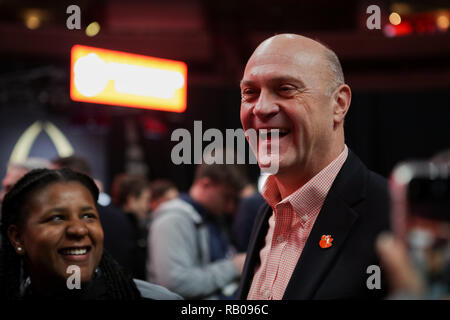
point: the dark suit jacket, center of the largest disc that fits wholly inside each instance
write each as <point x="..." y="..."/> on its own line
<point x="243" y="221"/>
<point x="119" y="236"/>
<point x="355" y="211"/>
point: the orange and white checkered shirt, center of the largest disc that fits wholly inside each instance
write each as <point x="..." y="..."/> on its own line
<point x="289" y="228"/>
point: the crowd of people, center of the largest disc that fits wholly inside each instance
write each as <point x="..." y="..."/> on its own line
<point x="150" y="232"/>
<point x="310" y="233"/>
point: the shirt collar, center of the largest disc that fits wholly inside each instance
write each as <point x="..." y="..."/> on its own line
<point x="311" y="195"/>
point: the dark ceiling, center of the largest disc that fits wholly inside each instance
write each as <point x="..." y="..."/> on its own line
<point x="215" y="38"/>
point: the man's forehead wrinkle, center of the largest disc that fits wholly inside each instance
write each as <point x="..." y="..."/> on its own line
<point x="303" y="60"/>
<point x="288" y="37"/>
<point x="295" y="54"/>
<point x="254" y="80"/>
<point x="269" y="58"/>
<point x="291" y="42"/>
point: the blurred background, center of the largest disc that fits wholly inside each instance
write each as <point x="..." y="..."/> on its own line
<point x="400" y="76"/>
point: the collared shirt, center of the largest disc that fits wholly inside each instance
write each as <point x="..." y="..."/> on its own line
<point x="289" y="228"/>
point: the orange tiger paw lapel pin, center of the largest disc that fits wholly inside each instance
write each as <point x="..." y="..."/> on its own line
<point x="326" y="241"/>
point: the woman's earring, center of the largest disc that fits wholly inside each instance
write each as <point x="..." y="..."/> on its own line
<point x="19" y="249"/>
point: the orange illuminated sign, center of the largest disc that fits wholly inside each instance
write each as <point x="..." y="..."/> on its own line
<point x="126" y="79"/>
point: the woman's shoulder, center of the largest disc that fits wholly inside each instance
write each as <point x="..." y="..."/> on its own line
<point x="152" y="291"/>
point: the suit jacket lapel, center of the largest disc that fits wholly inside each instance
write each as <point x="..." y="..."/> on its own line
<point x="336" y="218"/>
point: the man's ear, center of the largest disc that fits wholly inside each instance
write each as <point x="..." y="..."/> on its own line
<point x="15" y="239"/>
<point x="341" y="103"/>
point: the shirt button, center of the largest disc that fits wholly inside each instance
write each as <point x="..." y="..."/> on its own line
<point x="266" y="294"/>
<point x="304" y="218"/>
<point x="280" y="239"/>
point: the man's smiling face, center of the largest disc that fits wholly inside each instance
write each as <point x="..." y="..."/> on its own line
<point x="285" y="86"/>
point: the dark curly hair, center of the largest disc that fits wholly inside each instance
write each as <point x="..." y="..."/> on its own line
<point x="119" y="284"/>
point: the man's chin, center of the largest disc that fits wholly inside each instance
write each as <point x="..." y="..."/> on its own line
<point x="269" y="166"/>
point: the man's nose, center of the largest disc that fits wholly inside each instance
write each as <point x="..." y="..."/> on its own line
<point x="266" y="107"/>
<point x="77" y="228"/>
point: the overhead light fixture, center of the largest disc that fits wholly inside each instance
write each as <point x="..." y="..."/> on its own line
<point x="93" y="29"/>
<point x="442" y="22"/>
<point x="33" y="18"/>
<point x="395" y="19"/>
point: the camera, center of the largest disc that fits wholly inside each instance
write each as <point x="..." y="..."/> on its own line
<point x="420" y="195"/>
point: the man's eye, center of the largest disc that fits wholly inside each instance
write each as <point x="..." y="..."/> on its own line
<point x="286" y="89"/>
<point x="248" y="94"/>
<point x="248" y="91"/>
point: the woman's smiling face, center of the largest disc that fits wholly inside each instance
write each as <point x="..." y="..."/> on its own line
<point x="62" y="228"/>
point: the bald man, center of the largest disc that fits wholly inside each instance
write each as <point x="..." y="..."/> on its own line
<point x="315" y="239"/>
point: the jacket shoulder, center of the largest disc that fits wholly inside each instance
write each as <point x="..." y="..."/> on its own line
<point x="175" y="209"/>
<point x="378" y="189"/>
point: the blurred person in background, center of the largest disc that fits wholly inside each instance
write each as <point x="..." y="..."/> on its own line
<point x="17" y="170"/>
<point x="189" y="250"/>
<point x="119" y="237"/>
<point x="162" y="190"/>
<point x="244" y="219"/>
<point x="405" y="281"/>
<point x="131" y="193"/>
<point x="80" y="164"/>
<point x="249" y="190"/>
<point x="251" y="202"/>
